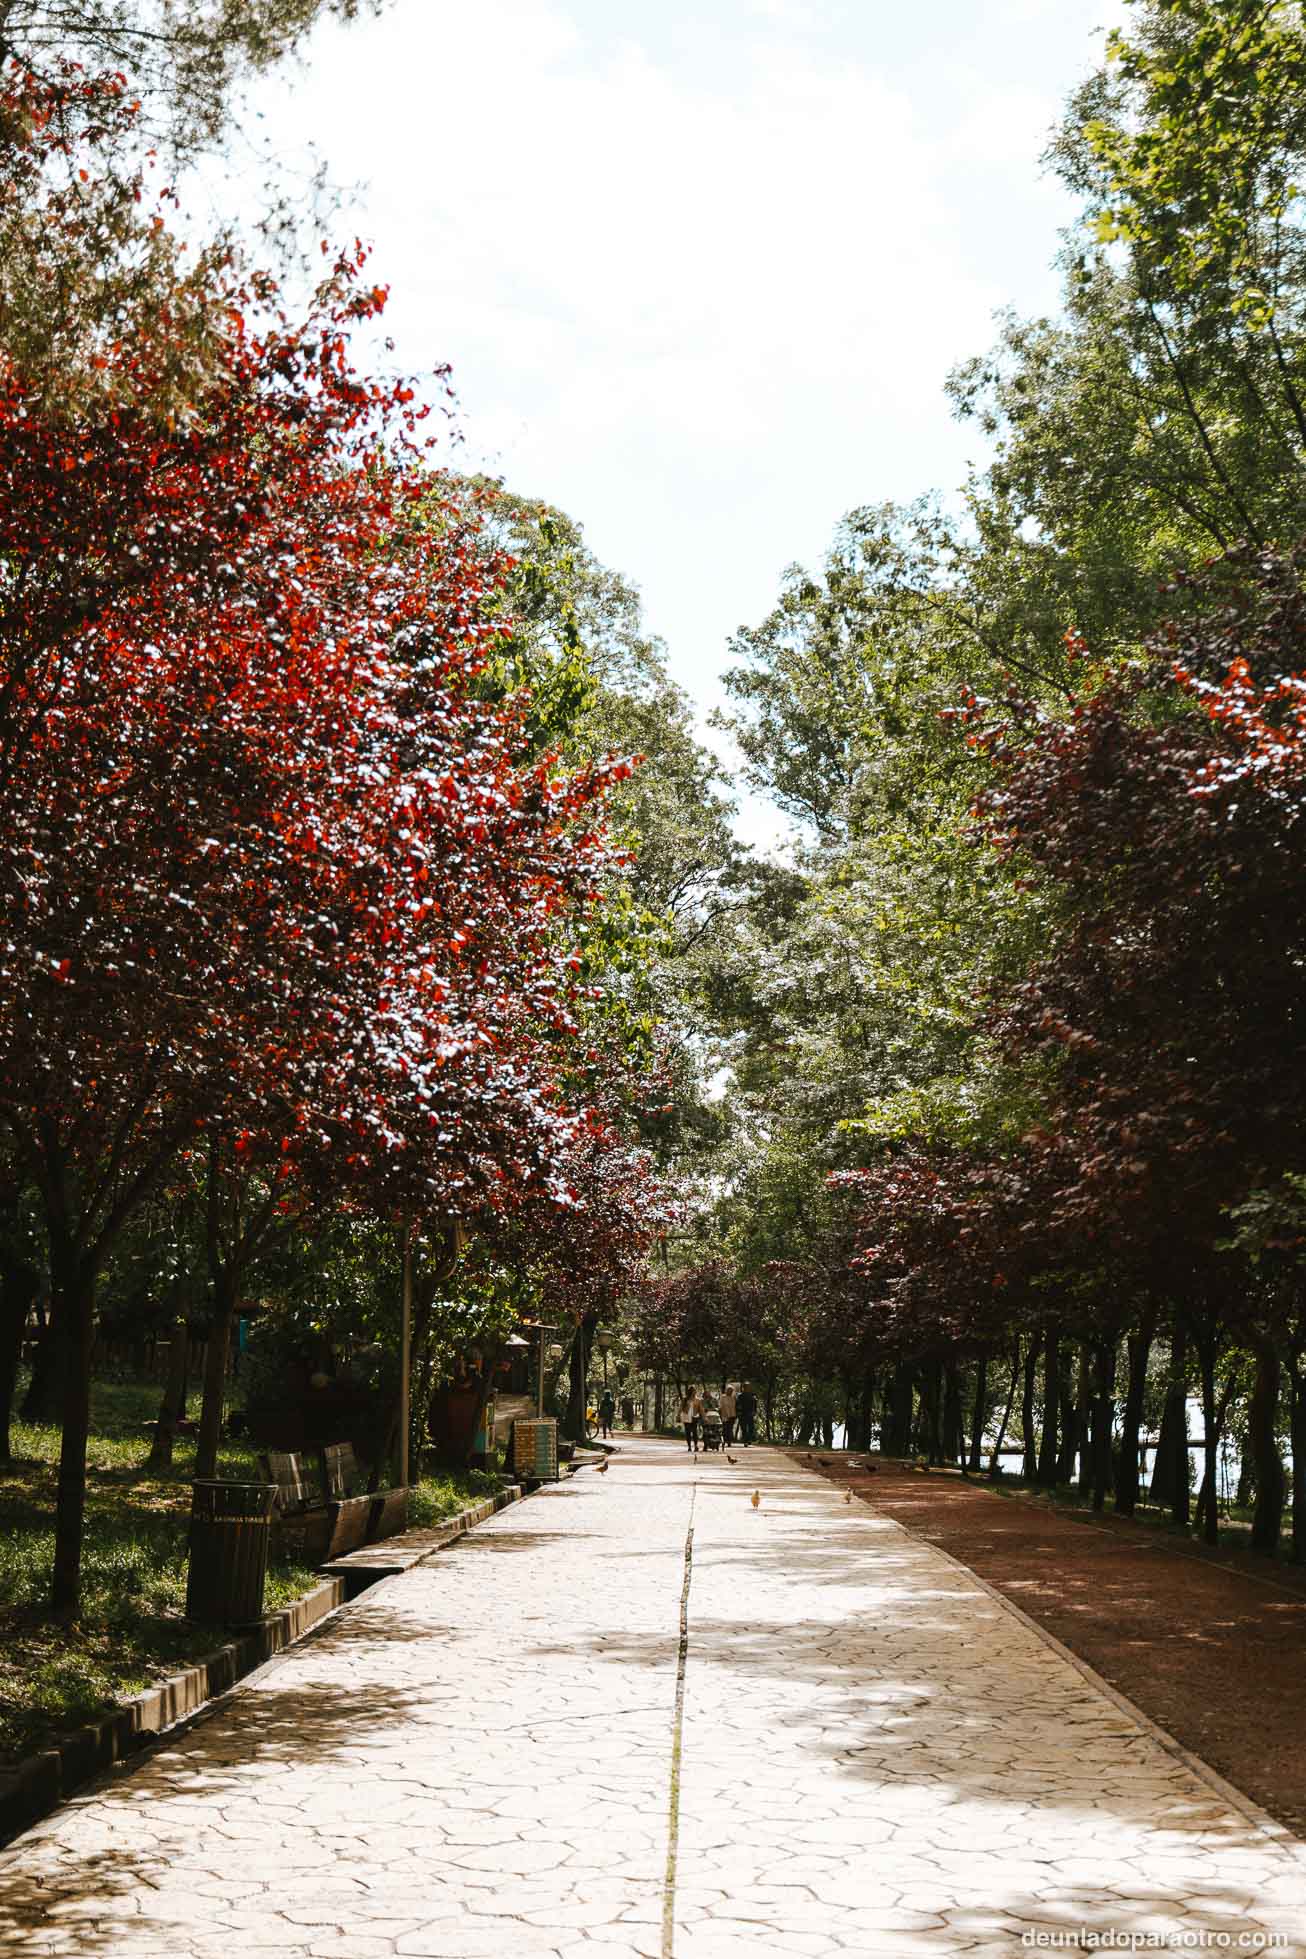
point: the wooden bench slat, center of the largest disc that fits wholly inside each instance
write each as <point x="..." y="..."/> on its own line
<point x="339" y="1469"/>
<point x="286" y="1470"/>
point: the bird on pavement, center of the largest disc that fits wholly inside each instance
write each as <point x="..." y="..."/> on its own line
<point x="603" y="1467"/>
<point x="756" y="1498"/>
<point x="730" y="1458"/>
<point x="848" y="1496"/>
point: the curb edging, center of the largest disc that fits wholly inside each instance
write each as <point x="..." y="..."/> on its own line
<point x="42" y="1782"/>
<point x="1283" y="1839"/>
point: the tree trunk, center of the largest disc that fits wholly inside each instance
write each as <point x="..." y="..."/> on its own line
<point x="1298" y="1420"/>
<point x="43" y="1401"/>
<point x="897" y="1442"/>
<point x="1083" y="1409"/>
<point x="172" y="1406"/>
<point x="1181" y="1498"/>
<point x="573" y="1422"/>
<point x="1104" y="1384"/>
<point x="979" y="1414"/>
<point x="932" y="1409"/>
<point x="995" y="1460"/>
<point x="1140" y="1348"/>
<point x="19" y="1285"/>
<point x="1170" y="1470"/>
<point x="1072" y="1440"/>
<point x="1029" y="1463"/>
<point x="1207" y="1512"/>
<point x="73" y="1304"/>
<point x="954" y="1434"/>
<point x="222" y="1296"/>
<point x="1263" y="1441"/>
<point x="866" y="1417"/>
<point x="1047" y="1448"/>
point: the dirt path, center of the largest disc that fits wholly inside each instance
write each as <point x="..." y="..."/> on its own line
<point x="1216" y="1656"/>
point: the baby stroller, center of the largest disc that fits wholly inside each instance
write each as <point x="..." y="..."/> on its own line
<point x="713" y="1434"/>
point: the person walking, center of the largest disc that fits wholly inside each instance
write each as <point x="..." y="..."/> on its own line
<point x="746" y="1412"/>
<point x="728" y="1413"/>
<point x="628" y="1410"/>
<point x="607" y="1413"/>
<point x="689" y="1421"/>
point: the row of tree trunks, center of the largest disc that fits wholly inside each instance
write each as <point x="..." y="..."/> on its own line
<point x="1079" y="1417"/>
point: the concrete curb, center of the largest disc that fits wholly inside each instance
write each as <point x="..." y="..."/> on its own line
<point x="1266" y="1825"/>
<point x="44" y="1781"/>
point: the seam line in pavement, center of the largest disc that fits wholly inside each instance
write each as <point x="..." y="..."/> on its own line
<point x="677" y="1736"/>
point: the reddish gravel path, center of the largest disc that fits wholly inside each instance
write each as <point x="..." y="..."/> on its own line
<point x="1216" y="1655"/>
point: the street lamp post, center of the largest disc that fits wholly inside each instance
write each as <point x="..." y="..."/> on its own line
<point x="541" y="1329"/>
<point x="603" y="1340"/>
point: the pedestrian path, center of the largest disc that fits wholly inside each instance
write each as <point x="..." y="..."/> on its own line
<point x="637" y="1716"/>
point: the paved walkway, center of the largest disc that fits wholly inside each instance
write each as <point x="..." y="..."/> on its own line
<point x="850" y="1749"/>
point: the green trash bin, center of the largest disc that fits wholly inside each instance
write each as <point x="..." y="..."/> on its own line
<point x="230" y="1528"/>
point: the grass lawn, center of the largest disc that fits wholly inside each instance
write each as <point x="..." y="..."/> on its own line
<point x="133" y="1629"/>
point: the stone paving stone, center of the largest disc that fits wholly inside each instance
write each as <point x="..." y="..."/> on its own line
<point x="878" y="1762"/>
<point x="970" y="1781"/>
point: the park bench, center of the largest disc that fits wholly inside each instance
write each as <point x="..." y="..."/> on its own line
<point x="335" y="1516"/>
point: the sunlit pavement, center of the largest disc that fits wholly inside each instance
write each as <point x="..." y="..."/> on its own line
<point x="853" y="1750"/>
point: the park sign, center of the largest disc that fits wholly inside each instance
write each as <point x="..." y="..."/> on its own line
<point x="535" y="1451"/>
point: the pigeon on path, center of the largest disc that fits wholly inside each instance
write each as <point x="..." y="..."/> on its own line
<point x="603" y="1467"/>
<point x="756" y="1498"/>
<point x="732" y="1459"/>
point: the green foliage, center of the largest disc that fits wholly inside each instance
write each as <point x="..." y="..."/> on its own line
<point x="186" y="59"/>
<point x="436" y="1498"/>
<point x="1201" y="160"/>
<point x="131" y="1628"/>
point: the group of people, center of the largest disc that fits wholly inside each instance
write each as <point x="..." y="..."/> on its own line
<point x="607" y="1412"/>
<point x="736" y="1408"/>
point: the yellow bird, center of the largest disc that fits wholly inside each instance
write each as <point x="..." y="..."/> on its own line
<point x="756" y="1498"/>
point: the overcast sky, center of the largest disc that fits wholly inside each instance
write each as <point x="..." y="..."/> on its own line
<point x="701" y="269"/>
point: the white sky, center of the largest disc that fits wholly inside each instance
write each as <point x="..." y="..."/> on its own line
<point x="701" y="269"/>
